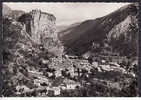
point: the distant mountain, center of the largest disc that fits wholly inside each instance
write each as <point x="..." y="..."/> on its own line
<point x="65" y="29"/>
<point x="6" y="10"/>
<point x="79" y="39"/>
<point x="14" y="14"/>
<point x="61" y="27"/>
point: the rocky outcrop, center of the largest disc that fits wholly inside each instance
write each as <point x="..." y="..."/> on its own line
<point x="39" y="25"/>
<point x="42" y="26"/>
<point x="42" y="29"/>
<point x="124" y="36"/>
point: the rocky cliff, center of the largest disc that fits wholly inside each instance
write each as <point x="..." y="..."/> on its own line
<point x="42" y="29"/>
<point x="124" y="36"/>
<point x="39" y="25"/>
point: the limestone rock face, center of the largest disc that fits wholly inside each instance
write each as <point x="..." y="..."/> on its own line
<point x="39" y="25"/>
<point x="42" y="29"/>
<point x="124" y="36"/>
<point x="42" y="26"/>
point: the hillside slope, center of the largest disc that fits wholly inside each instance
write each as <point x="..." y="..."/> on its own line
<point x="63" y="30"/>
<point x="80" y="39"/>
<point x="22" y="55"/>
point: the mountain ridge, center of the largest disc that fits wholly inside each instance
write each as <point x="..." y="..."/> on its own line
<point x="80" y="39"/>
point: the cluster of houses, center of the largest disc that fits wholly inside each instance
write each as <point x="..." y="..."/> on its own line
<point x="68" y="77"/>
<point x="84" y="67"/>
<point x="45" y="86"/>
<point x="48" y="90"/>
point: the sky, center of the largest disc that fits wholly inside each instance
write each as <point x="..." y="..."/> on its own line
<point x="69" y="13"/>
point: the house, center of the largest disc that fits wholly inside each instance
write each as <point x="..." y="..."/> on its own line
<point x="95" y="64"/>
<point x="103" y="61"/>
<point x="71" y="70"/>
<point x="35" y="72"/>
<point x="58" y="73"/>
<point x="86" y="55"/>
<point x="22" y="89"/>
<point x="41" y="81"/>
<point x="70" y="84"/>
<point x="36" y="82"/>
<point x="53" y="91"/>
<point x="56" y="91"/>
<point x="49" y="74"/>
<point x="65" y="56"/>
<point x="114" y="64"/>
<point x="105" y="67"/>
<point x="45" y="61"/>
<point x="62" y="86"/>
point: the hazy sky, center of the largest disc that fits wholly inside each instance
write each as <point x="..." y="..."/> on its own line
<point x="69" y="13"/>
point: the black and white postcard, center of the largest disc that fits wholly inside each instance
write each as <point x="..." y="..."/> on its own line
<point x="70" y="49"/>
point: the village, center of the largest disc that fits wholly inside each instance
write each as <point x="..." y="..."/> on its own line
<point x="71" y="75"/>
